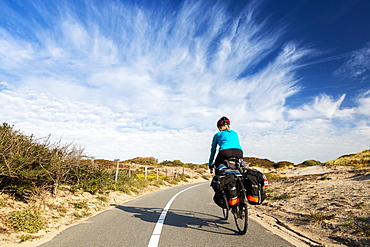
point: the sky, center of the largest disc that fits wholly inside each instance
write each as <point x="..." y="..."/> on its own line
<point x="126" y="79"/>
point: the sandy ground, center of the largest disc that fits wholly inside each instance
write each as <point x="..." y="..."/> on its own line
<point x="314" y="206"/>
<point x="320" y="206"/>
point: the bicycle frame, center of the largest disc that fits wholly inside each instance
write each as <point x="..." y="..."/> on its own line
<point x="239" y="205"/>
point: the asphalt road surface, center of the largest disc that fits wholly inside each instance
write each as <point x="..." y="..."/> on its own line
<point x="179" y="216"/>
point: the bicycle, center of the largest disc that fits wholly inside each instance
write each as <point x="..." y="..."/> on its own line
<point x="238" y="205"/>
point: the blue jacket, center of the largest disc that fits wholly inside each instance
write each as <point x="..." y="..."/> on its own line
<point x="226" y="139"/>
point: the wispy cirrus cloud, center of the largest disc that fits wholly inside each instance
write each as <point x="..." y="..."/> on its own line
<point x="322" y="106"/>
<point x="357" y="66"/>
<point x="363" y="101"/>
<point x="131" y="80"/>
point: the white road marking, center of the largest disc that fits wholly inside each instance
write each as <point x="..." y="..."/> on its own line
<point x="154" y="240"/>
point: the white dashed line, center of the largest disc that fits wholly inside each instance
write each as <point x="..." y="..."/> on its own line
<point x="154" y="240"/>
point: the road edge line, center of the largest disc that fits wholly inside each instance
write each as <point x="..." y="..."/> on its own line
<point x="154" y="239"/>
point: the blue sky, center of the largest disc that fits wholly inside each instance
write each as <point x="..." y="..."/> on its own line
<point x="151" y="78"/>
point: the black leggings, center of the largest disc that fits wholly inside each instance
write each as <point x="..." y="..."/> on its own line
<point x="226" y="153"/>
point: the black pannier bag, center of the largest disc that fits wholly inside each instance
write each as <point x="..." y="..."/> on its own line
<point x="227" y="183"/>
<point x="219" y="200"/>
<point x="217" y="183"/>
<point x="230" y="187"/>
<point x="220" y="182"/>
<point x="255" y="182"/>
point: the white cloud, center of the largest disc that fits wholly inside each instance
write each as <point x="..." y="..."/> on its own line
<point x="322" y="106"/>
<point x="358" y="66"/>
<point x="14" y="52"/>
<point x="138" y="82"/>
<point x="317" y="139"/>
<point x="364" y="104"/>
<point x="103" y="132"/>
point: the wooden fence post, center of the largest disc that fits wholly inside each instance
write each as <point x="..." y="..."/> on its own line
<point x="156" y="173"/>
<point x="116" y="177"/>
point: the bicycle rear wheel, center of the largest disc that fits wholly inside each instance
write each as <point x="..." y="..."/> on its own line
<point x="225" y="211"/>
<point x="241" y="217"/>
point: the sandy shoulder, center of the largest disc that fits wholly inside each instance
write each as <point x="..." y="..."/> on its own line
<point x="320" y="206"/>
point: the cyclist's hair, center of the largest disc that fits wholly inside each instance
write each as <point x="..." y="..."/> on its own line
<point x="224" y="127"/>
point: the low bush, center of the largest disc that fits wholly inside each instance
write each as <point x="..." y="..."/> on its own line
<point x="27" y="237"/>
<point x="82" y="214"/>
<point x="103" y="198"/>
<point x="157" y="183"/>
<point x="283" y="165"/>
<point x="81" y="204"/>
<point x="265" y="163"/>
<point x="29" y="220"/>
<point x="310" y="163"/>
<point x="273" y="176"/>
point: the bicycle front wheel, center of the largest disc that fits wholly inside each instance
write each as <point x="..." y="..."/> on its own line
<point x="241" y="217"/>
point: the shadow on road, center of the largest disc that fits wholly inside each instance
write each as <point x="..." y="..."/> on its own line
<point x="184" y="219"/>
<point x="361" y="178"/>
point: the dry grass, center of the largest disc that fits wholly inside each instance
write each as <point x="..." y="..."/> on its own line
<point x="358" y="159"/>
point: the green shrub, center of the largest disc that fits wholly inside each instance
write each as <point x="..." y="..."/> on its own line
<point x="128" y="184"/>
<point x="103" y="198"/>
<point x="81" y="204"/>
<point x="123" y="187"/>
<point x="346" y="223"/>
<point x="283" y="164"/>
<point x="82" y="214"/>
<point x="310" y="163"/>
<point x="58" y="208"/>
<point x="157" y="183"/>
<point x="94" y="185"/>
<point x="172" y="181"/>
<point x="272" y="176"/>
<point x="27" y="237"/>
<point x="253" y="161"/>
<point x="29" y="220"/>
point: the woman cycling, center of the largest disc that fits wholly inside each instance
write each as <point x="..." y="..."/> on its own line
<point x="228" y="142"/>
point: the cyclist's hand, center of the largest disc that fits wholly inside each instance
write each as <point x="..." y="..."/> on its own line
<point x="211" y="170"/>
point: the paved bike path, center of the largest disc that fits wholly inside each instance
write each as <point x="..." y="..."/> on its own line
<point x="192" y="220"/>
